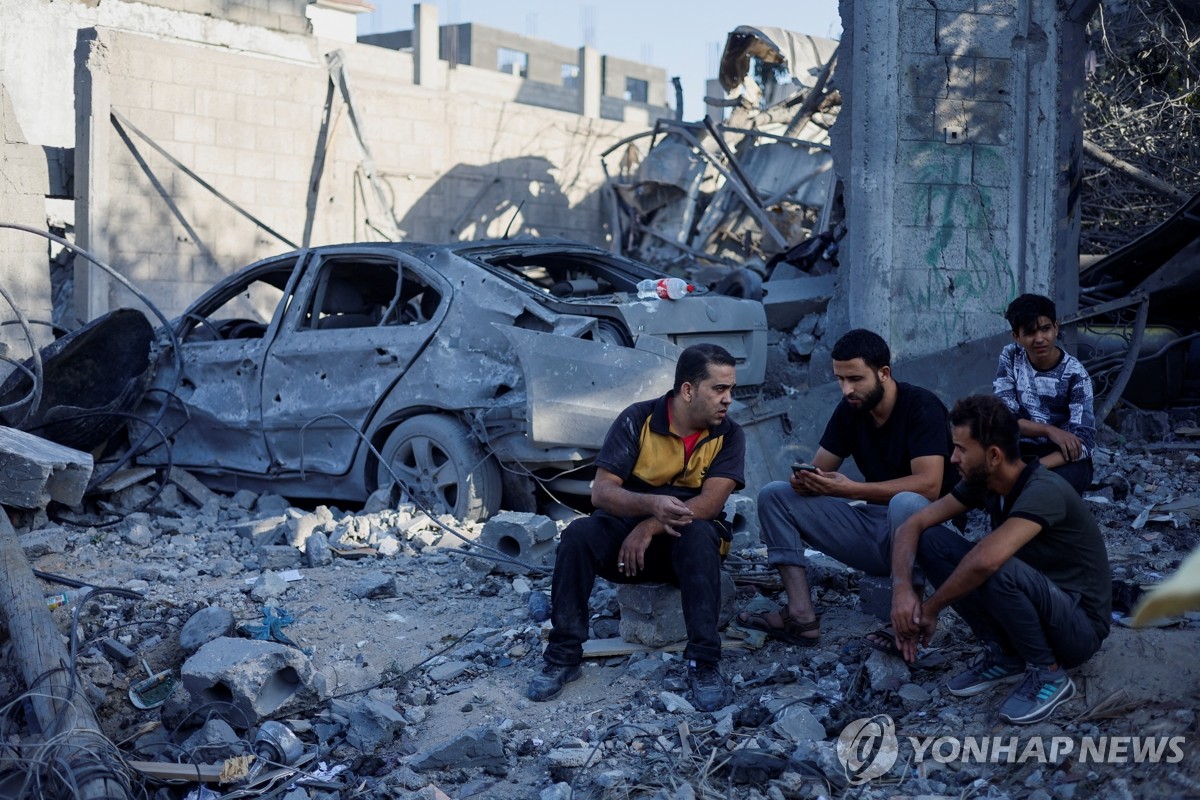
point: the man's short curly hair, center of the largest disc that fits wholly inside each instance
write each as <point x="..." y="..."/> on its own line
<point x="990" y="422"/>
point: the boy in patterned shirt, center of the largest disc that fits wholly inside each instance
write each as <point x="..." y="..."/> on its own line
<point x="1049" y="391"/>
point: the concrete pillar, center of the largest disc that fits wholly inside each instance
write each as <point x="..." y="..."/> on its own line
<point x="959" y="140"/>
<point x="427" y="69"/>
<point x="713" y="89"/>
<point x="93" y="141"/>
<point x="590" y="85"/>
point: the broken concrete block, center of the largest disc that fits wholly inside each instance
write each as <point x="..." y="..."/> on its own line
<point x="302" y="526"/>
<point x="351" y="532"/>
<point x="789" y="301"/>
<point x="448" y="671"/>
<point x="375" y="586"/>
<point x="216" y="740"/>
<point x="651" y="613"/>
<point x="523" y="536"/>
<point x="271" y="504"/>
<point x="279" y="557"/>
<point x="246" y="680"/>
<point x="264" y="531"/>
<point x="204" y="626"/>
<point x="798" y="724"/>
<point x="477" y="747"/>
<point x="41" y="543"/>
<point x="316" y="550"/>
<point x="34" y="471"/>
<point x="118" y="652"/>
<point x="741" y="512"/>
<point x="244" y="498"/>
<point x="269" y="586"/>
<point x="886" y="672"/>
<point x="373" y="721"/>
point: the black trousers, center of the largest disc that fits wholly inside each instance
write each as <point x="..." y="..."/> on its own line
<point x="590" y="546"/>
<point x="1018" y="607"/>
<point x="1076" y="473"/>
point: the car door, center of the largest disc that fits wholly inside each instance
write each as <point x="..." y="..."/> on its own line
<point x="366" y="315"/>
<point x="222" y="340"/>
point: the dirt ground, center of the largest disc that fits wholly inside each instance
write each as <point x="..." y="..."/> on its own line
<point x="476" y="627"/>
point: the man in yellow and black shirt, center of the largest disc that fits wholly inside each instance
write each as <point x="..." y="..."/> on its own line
<point x="663" y="475"/>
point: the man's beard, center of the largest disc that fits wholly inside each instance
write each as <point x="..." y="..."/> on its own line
<point x="872" y="398"/>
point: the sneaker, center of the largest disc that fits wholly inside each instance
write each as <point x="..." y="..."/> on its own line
<point x="989" y="668"/>
<point x="1040" y="693"/>
<point x="709" y="690"/>
<point x="551" y="680"/>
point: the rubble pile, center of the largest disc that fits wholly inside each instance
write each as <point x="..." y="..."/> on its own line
<point x="396" y="661"/>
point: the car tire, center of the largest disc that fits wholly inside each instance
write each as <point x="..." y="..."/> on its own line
<point x="442" y="467"/>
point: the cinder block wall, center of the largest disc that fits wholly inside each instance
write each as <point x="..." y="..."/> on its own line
<point x="455" y="163"/>
<point x="23" y="256"/>
<point x="277" y="15"/>
<point x="960" y="145"/>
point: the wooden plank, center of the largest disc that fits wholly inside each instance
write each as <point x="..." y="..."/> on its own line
<point x="192" y="488"/>
<point x="68" y="723"/>
<point x="204" y="773"/>
<point x="616" y="646"/>
<point x="124" y="478"/>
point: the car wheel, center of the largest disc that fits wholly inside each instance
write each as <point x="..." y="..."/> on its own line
<point x="443" y="467"/>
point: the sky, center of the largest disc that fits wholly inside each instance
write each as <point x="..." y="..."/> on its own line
<point x="684" y="38"/>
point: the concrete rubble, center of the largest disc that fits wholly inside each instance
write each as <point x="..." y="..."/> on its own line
<point x="408" y="666"/>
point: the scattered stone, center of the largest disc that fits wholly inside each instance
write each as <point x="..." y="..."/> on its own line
<point x="41" y="543"/>
<point x="797" y="724"/>
<point x="316" y="550"/>
<point x="216" y="740"/>
<point x="448" y="671"/>
<point x="205" y="625"/>
<point x="886" y="672"/>
<point x="269" y="586"/>
<point x="279" y="557"/>
<point x="676" y="704"/>
<point x="117" y="651"/>
<point x="570" y="756"/>
<point x="376" y="586"/>
<point x="477" y="747"/>
<point x="373" y="721"/>
<point x="305" y="525"/>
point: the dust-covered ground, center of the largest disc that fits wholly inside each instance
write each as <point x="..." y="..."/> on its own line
<point x="422" y="657"/>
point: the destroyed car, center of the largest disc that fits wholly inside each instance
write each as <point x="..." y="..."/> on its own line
<point x="480" y="372"/>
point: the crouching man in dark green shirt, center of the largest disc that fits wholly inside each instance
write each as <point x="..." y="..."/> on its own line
<point x="1036" y="591"/>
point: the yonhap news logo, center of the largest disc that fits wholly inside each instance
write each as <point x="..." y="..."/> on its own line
<point x="869" y="747"/>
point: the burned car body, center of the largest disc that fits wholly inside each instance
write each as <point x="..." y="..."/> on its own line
<point x="477" y="370"/>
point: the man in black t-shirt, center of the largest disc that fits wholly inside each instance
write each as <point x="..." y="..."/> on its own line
<point x="898" y="437"/>
<point x="1036" y="590"/>
<point x="663" y="475"/>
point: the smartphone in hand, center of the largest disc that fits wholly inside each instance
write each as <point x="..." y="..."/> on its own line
<point x="798" y="468"/>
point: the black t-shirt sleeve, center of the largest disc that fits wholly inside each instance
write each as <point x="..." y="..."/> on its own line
<point x="969" y="496"/>
<point x="619" y="453"/>
<point x="927" y="427"/>
<point x="730" y="462"/>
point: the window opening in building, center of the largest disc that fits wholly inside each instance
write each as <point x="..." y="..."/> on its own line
<point x="513" y="62"/>
<point x="636" y="91"/>
<point x="570" y="76"/>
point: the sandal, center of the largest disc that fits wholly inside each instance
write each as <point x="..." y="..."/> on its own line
<point x="791" y="630"/>
<point x="888" y="645"/>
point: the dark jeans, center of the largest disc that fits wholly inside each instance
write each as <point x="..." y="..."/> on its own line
<point x="1018" y="608"/>
<point x="1076" y="473"/>
<point x="590" y="546"/>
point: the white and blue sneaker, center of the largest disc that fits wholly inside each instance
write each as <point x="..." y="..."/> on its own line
<point x="1042" y="691"/>
<point x="990" y="668"/>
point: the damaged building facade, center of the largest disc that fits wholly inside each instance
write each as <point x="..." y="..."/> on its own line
<point x="184" y="145"/>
